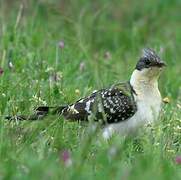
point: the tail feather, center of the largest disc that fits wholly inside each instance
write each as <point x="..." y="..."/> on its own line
<point x="39" y="113"/>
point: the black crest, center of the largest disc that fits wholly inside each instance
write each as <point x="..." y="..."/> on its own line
<point x="148" y="59"/>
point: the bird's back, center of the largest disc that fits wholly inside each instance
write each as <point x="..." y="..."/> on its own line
<point x="110" y="105"/>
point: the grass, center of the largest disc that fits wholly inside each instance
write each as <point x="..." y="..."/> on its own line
<point x="37" y="71"/>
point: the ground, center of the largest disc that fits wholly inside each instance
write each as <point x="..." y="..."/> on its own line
<point x="54" y="52"/>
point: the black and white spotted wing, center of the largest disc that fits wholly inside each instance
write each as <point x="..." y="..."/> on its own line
<point x="111" y="105"/>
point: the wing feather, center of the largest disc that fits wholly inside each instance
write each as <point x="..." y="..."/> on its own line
<point x="114" y="104"/>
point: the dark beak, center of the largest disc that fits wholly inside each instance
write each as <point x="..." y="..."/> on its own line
<point x="161" y="64"/>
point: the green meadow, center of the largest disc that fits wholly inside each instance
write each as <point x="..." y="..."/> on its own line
<point x="55" y="52"/>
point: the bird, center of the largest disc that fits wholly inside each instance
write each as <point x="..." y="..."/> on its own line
<point x="121" y="108"/>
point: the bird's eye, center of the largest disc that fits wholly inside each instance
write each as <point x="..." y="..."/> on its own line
<point x="147" y="62"/>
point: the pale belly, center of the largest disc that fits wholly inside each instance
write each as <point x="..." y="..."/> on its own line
<point x="148" y="112"/>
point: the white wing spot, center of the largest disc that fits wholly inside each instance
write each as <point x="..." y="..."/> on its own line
<point x="112" y="111"/>
<point x="87" y="108"/>
<point x="73" y="110"/>
<point x="116" y="120"/>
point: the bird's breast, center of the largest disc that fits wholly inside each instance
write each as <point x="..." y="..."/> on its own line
<point x="148" y="104"/>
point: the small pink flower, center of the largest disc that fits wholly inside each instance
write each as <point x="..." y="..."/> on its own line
<point x="178" y="160"/>
<point x="66" y="158"/>
<point x="61" y="44"/>
<point x="1" y="71"/>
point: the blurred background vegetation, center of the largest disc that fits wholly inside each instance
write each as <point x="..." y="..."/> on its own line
<point x="54" y="52"/>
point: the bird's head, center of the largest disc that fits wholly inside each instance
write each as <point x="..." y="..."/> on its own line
<point x="149" y="65"/>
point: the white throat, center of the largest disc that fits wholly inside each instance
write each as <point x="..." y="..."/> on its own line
<point x="147" y="96"/>
<point x="142" y="83"/>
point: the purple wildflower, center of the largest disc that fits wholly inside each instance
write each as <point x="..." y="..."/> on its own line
<point x="1" y="71"/>
<point x="178" y="160"/>
<point x="66" y="158"/>
<point x="61" y="44"/>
